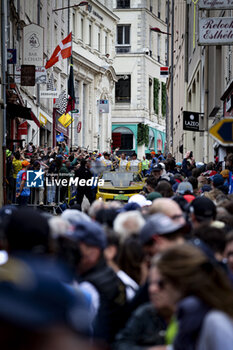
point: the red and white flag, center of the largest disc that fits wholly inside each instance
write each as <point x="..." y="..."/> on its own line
<point x="63" y="50"/>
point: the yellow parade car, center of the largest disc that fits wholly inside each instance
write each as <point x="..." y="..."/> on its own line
<point x="119" y="185"/>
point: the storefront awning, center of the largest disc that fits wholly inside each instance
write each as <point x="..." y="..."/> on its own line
<point x="18" y="111"/>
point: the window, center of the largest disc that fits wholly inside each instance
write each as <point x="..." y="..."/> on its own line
<point x="159" y="8"/>
<point x="106" y="44"/>
<point x="99" y="42"/>
<point x="123" y="38"/>
<point x="158" y="46"/>
<point x="90" y="36"/>
<point x="81" y="34"/>
<point x="123" y="89"/>
<point x="123" y="4"/>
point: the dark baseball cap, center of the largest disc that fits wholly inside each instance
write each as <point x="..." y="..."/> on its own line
<point x="90" y="233"/>
<point x="218" y="180"/>
<point x="158" y="224"/>
<point x="203" y="208"/>
<point x="157" y="167"/>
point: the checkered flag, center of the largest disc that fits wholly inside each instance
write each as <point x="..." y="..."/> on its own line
<point x="50" y="83"/>
<point x="61" y="102"/>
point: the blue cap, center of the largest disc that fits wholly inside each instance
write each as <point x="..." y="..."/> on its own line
<point x="90" y="233"/>
<point x="33" y="296"/>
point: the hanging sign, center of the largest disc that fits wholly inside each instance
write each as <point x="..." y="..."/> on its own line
<point x="216" y="31"/>
<point x="33" y="45"/>
<point x="216" y="4"/>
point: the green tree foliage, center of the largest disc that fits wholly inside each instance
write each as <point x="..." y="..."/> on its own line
<point x="143" y="134"/>
<point x="156" y="95"/>
<point x="163" y="99"/>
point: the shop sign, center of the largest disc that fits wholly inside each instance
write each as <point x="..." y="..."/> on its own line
<point x="216" y="31"/>
<point x="33" y="45"/>
<point x="215" y="4"/>
<point x="191" y="121"/>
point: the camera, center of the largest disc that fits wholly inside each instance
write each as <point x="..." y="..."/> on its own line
<point x="191" y="154"/>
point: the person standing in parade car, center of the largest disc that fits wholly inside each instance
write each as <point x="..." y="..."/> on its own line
<point x="134" y="164"/>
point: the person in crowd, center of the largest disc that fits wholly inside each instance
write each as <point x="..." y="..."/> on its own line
<point x="145" y="165"/>
<point x="164" y="188"/>
<point x="169" y="208"/>
<point x="64" y="149"/>
<point x="202" y="294"/>
<point x="107" y="290"/>
<point x="22" y="190"/>
<point x="228" y="252"/>
<point x="83" y="173"/>
<point x="128" y="223"/>
<point x="159" y="233"/>
<point x="202" y="210"/>
<point x="147" y="326"/>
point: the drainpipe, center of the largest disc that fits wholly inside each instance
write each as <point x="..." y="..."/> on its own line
<point x="206" y="109"/>
<point x="172" y="74"/>
<point x="4" y="67"/>
<point x="167" y="63"/>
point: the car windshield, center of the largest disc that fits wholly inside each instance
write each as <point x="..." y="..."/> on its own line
<point x="123" y="179"/>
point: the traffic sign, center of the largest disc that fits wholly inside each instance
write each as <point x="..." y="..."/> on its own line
<point x="223" y="132"/>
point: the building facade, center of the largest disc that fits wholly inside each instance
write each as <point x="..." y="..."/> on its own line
<point x="202" y="76"/>
<point x="140" y="93"/>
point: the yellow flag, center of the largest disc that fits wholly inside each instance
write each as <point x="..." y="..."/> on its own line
<point x="66" y="120"/>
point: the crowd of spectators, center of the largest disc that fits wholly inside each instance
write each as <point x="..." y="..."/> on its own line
<point x="155" y="273"/>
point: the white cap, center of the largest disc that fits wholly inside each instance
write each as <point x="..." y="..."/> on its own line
<point x="140" y="200"/>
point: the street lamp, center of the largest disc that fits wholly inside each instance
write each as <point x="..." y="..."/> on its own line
<point x="82" y="3"/>
<point x="157" y="30"/>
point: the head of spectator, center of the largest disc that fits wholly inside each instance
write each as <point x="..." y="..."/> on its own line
<point x="92" y="242"/>
<point x="202" y="180"/>
<point x="25" y="164"/>
<point x="169" y="208"/>
<point x="188" y="272"/>
<point x="202" y="210"/>
<point x="210" y="166"/>
<point x="74" y="216"/>
<point x="17" y="155"/>
<point x="157" y="171"/>
<point x="194" y="182"/>
<point x="131" y="259"/>
<point x="123" y="157"/>
<point x="159" y="233"/>
<point x="184" y="187"/>
<point x="140" y="200"/>
<point x="165" y="189"/>
<point x="205" y="188"/>
<point x="225" y="174"/>
<point x="134" y="156"/>
<point x="128" y="223"/>
<point x="151" y="183"/>
<point x="95" y="207"/>
<point x="27" y="231"/>
<point x="228" y="252"/>
<point x="214" y="238"/>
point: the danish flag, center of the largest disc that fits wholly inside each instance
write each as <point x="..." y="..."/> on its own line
<point x="63" y="50"/>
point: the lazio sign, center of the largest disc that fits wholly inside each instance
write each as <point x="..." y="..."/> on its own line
<point x="223" y="132"/>
<point x="66" y="120"/>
